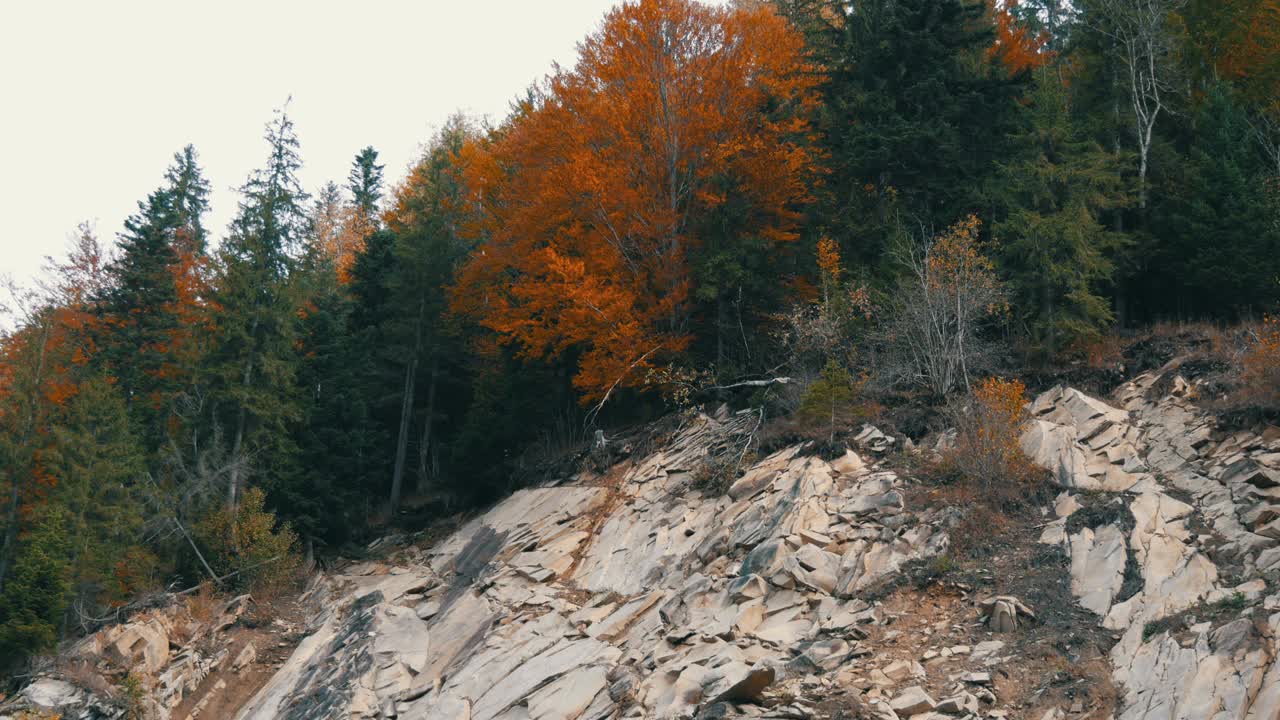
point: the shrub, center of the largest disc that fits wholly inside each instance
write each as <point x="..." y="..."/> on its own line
<point x="951" y="291"/>
<point x="829" y="400"/>
<point x="1261" y="366"/>
<point x="987" y="450"/>
<point x="249" y="543"/>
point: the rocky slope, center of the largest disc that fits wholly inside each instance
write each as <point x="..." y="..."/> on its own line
<point x="811" y="589"/>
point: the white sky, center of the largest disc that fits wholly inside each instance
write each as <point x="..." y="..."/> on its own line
<point x="95" y="97"/>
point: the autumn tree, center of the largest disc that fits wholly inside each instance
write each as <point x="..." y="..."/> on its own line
<point x="1018" y="46"/>
<point x="599" y="193"/>
<point x="935" y="333"/>
<point x="42" y="364"/>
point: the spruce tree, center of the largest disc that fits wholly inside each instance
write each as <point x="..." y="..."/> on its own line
<point x="190" y="190"/>
<point x="1219" y="249"/>
<point x="99" y="466"/>
<point x="35" y="597"/>
<point x="253" y="365"/>
<point x="1052" y="246"/>
<point x="140" y="319"/>
<point x="427" y="221"/>
<point x="913" y="116"/>
<point x="365" y="183"/>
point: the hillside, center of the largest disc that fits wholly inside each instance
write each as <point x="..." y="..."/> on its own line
<point x="811" y="589"/>
<point x="780" y="358"/>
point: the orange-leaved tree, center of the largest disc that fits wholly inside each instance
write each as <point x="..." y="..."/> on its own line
<point x="988" y="450"/>
<point x="596" y="193"/>
<point x="1016" y="46"/>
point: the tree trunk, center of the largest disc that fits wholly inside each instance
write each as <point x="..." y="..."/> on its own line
<point x="406" y="408"/>
<point x="233" y="481"/>
<point x="10" y="531"/>
<point x="402" y="440"/>
<point x="428" y="422"/>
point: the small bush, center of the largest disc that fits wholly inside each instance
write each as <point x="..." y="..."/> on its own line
<point x="1261" y="366"/>
<point x="249" y="543"/>
<point x="131" y="697"/>
<point x="202" y="604"/>
<point x="988" y="452"/>
<point x="831" y="400"/>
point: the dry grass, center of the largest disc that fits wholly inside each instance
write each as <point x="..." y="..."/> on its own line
<point x="202" y="605"/>
<point x="1102" y="353"/>
<point x="83" y="673"/>
<point x="1260" y="366"/>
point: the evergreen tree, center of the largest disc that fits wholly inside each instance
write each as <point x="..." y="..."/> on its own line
<point x="1053" y="248"/>
<point x="1219" y="249"/>
<point x="336" y="436"/>
<point x="98" y="465"/>
<point x="253" y="366"/>
<point x="190" y="191"/>
<point x="35" y="597"/>
<point x="427" y="220"/>
<point x="913" y="115"/>
<point x="365" y="183"/>
<point x="140" y="315"/>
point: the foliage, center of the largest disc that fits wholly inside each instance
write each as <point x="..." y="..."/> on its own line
<point x="600" y="191"/>
<point x="987" y="450"/>
<point x="251" y="543"/>
<point x="1261" y="366"/>
<point x="37" y="590"/>
<point x="1054" y="250"/>
<point x="1017" y="46"/>
<point x="710" y="199"/>
<point x="915" y="109"/>
<point x="831" y="398"/>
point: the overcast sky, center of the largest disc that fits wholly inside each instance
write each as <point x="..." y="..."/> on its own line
<point x="95" y="97"/>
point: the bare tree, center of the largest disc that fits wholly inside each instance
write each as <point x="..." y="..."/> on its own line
<point x="1147" y="47"/>
<point x="933" y="337"/>
<point x="1266" y="130"/>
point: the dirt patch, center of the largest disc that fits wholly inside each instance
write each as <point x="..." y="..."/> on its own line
<point x="274" y="631"/>
<point x="1059" y="660"/>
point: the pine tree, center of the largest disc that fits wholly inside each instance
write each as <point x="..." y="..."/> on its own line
<point x="427" y="220"/>
<point x="365" y="184"/>
<point x="190" y="192"/>
<point x="253" y="367"/>
<point x="139" y="311"/>
<point x="913" y="114"/>
<point x="35" y="597"/>
<point x="98" y="464"/>
<point x="1217" y="220"/>
<point x="1053" y="248"/>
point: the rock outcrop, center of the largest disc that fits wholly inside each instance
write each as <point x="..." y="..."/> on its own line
<point x="1186" y="555"/>
<point x="634" y="594"/>
<point x="628" y="595"/>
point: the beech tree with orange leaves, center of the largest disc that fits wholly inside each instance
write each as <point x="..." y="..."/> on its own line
<point x="600" y="193"/>
<point x="1017" y="46"/>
